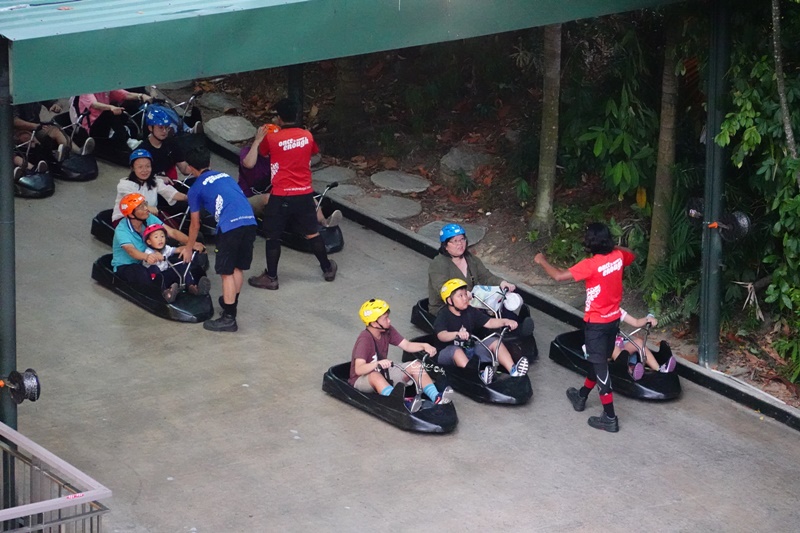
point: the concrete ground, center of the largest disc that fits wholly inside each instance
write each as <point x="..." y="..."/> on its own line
<point x="203" y="432"/>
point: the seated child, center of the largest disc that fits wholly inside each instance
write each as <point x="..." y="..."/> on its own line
<point x="621" y="343"/>
<point x="372" y="349"/>
<point x="157" y="264"/>
<point x="454" y="325"/>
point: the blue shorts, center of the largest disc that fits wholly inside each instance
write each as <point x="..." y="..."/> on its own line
<point x="446" y="356"/>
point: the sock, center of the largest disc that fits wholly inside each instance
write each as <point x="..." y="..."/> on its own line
<point x="387" y="390"/>
<point x="588" y="385"/>
<point x="273" y="251"/>
<point x="608" y="404"/>
<point x="228" y="309"/>
<point x="318" y="249"/>
<point x="431" y="391"/>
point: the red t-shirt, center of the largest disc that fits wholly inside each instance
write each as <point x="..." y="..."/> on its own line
<point x="603" y="275"/>
<point x="290" y="151"/>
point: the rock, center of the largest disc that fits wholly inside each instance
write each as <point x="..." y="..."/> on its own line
<point x="231" y="129"/>
<point x="344" y="190"/>
<point x="333" y="173"/>
<point x="219" y="102"/>
<point x="401" y="182"/>
<point x="461" y="160"/>
<point x="388" y="206"/>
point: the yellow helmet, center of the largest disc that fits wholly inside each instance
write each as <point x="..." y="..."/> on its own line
<point x="450" y="286"/>
<point x="372" y="310"/>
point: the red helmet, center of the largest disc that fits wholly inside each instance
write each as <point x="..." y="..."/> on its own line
<point x="152" y="228"/>
<point x="130" y="202"/>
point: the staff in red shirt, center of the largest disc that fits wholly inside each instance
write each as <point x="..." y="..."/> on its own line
<point x="292" y="198"/>
<point x="602" y="273"/>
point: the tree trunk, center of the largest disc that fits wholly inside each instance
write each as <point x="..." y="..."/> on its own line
<point x="542" y="219"/>
<point x="661" y="223"/>
<point x="781" y="81"/>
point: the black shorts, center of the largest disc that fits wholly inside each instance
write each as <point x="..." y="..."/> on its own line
<point x="234" y="250"/>
<point x="599" y="340"/>
<point x="297" y="211"/>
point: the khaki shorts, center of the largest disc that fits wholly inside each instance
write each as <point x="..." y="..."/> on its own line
<point x="395" y="376"/>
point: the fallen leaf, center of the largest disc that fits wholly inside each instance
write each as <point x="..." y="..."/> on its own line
<point x="513" y="238"/>
<point x="389" y="163"/>
<point x="375" y="71"/>
<point x="313" y="111"/>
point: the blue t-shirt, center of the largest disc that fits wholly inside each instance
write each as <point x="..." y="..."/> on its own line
<point x="219" y="194"/>
<point x="125" y="234"/>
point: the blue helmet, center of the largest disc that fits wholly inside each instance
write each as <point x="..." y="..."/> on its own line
<point x="138" y="154"/>
<point x="157" y="117"/>
<point x="450" y="231"/>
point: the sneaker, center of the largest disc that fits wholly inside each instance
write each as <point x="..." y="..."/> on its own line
<point x="487" y="374"/>
<point x="444" y="397"/>
<point x="578" y="402"/>
<point x="88" y="146"/>
<point x="61" y="152"/>
<point x="669" y="366"/>
<point x="198" y="129"/>
<point x="334" y="219"/>
<point x="264" y="281"/>
<point x="18" y="174"/>
<point x="41" y="167"/>
<point x="520" y="369"/>
<point x="636" y="371"/>
<point x="133" y="144"/>
<point x="603" y="422"/>
<point x="526" y="328"/>
<point x="202" y="287"/>
<point x="330" y="274"/>
<point x="170" y="293"/>
<point x="413" y="404"/>
<point x="224" y="323"/>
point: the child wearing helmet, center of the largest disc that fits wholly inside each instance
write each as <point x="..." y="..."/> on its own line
<point x="129" y="248"/>
<point x="167" y="156"/>
<point x="455" y="261"/>
<point x="602" y="273"/>
<point x="142" y="180"/>
<point x="370" y="356"/>
<point x="455" y="324"/>
<point x="155" y="237"/>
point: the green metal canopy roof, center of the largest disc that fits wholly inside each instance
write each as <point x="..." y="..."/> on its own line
<point x="67" y="47"/>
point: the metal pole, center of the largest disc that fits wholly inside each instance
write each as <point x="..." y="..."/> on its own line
<point x="294" y="88"/>
<point x="8" y="292"/>
<point x="719" y="56"/>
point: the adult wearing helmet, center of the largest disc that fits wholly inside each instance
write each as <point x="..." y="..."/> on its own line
<point x="455" y="325"/>
<point x="143" y="181"/>
<point x="106" y="121"/>
<point x="455" y="261"/>
<point x="129" y="247"/>
<point x="370" y="368"/>
<point x="167" y="157"/>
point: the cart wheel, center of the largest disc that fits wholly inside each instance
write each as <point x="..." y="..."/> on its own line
<point x="24" y="386"/>
<point x="736" y="226"/>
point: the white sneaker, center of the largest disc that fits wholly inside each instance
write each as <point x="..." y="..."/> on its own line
<point x="334" y="219"/>
<point x="41" y="167"/>
<point x="133" y="144"/>
<point x="61" y="152"/>
<point x="88" y="146"/>
<point x="487" y="374"/>
<point x="198" y="129"/>
<point x="520" y="369"/>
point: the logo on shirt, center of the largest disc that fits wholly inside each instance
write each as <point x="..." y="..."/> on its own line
<point x="291" y="144"/>
<point x="610" y="268"/>
<point x="213" y="178"/>
<point x="591" y="294"/>
<point x="218" y="207"/>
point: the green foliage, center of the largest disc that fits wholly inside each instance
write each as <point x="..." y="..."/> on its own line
<point x="523" y="190"/>
<point x="464" y="183"/>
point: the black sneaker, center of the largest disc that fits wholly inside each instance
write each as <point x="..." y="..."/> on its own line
<point x="224" y="323"/>
<point x="330" y="274"/>
<point x="578" y="402"/>
<point x="603" y="422"/>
